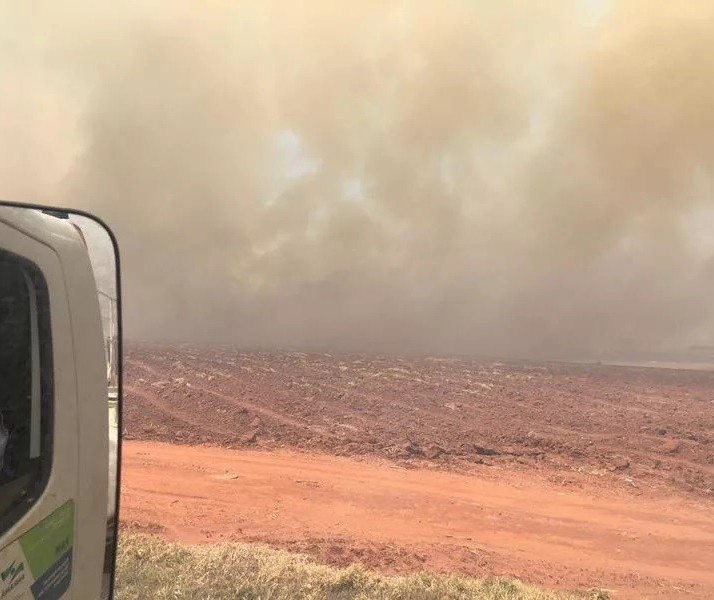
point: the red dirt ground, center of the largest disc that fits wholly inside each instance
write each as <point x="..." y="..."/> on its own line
<point x="397" y="520"/>
<point x="564" y="475"/>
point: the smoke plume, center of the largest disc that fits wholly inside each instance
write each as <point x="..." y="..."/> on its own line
<point x="511" y="178"/>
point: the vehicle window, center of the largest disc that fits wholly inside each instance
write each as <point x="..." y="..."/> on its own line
<point x="25" y="387"/>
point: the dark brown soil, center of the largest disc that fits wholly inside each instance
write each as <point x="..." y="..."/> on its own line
<point x="636" y="427"/>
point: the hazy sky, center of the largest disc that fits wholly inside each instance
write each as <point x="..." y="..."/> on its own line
<point x="502" y="177"/>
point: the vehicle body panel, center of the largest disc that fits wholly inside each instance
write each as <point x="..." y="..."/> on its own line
<point x="80" y="426"/>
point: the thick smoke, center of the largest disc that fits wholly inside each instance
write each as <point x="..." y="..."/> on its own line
<point x="493" y="177"/>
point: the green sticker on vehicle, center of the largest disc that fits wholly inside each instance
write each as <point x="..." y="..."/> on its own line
<point x="39" y="564"/>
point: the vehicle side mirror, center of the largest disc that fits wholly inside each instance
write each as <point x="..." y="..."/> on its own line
<point x="60" y="402"/>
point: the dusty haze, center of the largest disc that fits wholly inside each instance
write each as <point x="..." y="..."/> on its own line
<point x="517" y="178"/>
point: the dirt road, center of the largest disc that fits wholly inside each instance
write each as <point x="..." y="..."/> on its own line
<point x="398" y="519"/>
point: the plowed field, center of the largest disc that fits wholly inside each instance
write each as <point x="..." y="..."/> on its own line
<point x="622" y="425"/>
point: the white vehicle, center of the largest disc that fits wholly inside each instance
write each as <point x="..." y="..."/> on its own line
<point x="59" y="442"/>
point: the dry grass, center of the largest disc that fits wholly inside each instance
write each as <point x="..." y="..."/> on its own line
<point x="149" y="567"/>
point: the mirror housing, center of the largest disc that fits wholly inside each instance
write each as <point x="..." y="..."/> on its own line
<point x="60" y="308"/>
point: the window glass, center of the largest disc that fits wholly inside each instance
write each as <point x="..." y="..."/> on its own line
<point x="25" y="387"/>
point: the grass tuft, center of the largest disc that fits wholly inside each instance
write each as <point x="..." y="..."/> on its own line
<point x="149" y="567"/>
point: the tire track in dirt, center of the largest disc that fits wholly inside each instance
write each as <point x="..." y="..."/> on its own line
<point x="266" y="412"/>
<point x="165" y="408"/>
<point x="172" y="408"/>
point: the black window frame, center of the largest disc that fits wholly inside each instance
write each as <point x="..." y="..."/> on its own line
<point x="35" y="488"/>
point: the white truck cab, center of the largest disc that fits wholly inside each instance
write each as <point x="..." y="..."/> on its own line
<point x="58" y="479"/>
